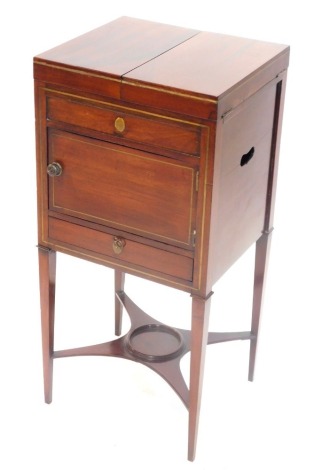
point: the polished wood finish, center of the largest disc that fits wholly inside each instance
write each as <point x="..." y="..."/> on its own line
<point x="164" y="355"/>
<point x="161" y="145"/>
<point x="119" y="279"/>
<point x="112" y="194"/>
<point x="139" y="128"/>
<point x="90" y="65"/>
<point x="47" y="276"/>
<point x="261" y="260"/>
<point x="221" y="70"/>
<point x="125" y="51"/>
<point x="199" y="328"/>
<point x="133" y="253"/>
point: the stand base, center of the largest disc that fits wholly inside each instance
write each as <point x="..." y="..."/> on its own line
<point x="153" y="344"/>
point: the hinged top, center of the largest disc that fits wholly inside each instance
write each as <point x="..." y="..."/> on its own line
<point x="117" y="47"/>
<point x="154" y="64"/>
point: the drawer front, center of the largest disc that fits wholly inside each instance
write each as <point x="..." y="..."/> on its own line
<point x="140" y="193"/>
<point x="138" y="255"/>
<point x="161" y="133"/>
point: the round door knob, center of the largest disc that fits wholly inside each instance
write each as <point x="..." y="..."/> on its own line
<point x="54" y="169"/>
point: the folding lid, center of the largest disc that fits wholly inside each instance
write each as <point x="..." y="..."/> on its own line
<point x="117" y="47"/>
<point x="152" y="64"/>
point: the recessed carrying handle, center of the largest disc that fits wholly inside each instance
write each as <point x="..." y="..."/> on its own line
<point x="247" y="157"/>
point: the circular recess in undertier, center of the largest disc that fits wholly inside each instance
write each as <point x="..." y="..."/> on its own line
<point x="155" y="343"/>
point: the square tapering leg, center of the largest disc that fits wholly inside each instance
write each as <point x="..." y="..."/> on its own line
<point x="119" y="279"/>
<point x="199" y="335"/>
<point x="261" y="261"/>
<point x="47" y="281"/>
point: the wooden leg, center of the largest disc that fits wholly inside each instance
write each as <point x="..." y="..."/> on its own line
<point x="119" y="278"/>
<point x="199" y="334"/>
<point x="261" y="260"/>
<point x="47" y="281"/>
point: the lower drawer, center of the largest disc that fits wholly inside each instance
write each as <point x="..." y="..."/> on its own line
<point x="109" y="246"/>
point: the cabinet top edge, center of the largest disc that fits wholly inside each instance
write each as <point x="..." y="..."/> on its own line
<point x="143" y="62"/>
<point x="116" y="47"/>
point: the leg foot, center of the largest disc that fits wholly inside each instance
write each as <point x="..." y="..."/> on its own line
<point x="199" y="336"/>
<point x="261" y="259"/>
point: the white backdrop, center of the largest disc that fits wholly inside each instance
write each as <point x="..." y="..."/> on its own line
<point x="109" y="413"/>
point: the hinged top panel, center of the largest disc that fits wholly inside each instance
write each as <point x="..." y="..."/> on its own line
<point x="208" y="64"/>
<point x="206" y="75"/>
<point x="182" y="70"/>
<point x="117" y="47"/>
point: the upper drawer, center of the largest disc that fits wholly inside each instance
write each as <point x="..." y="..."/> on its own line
<point x="145" y="128"/>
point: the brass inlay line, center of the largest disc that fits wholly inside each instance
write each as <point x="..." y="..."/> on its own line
<point x="170" y="92"/>
<point x="72" y="211"/>
<point x="204" y="212"/>
<point x="120" y="265"/>
<point x="186" y="287"/>
<point x="42" y="160"/>
<point x="79" y="72"/>
<point x="118" y="106"/>
<point x="127" y="82"/>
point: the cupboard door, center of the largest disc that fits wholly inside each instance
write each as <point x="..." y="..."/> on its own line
<point x="138" y="192"/>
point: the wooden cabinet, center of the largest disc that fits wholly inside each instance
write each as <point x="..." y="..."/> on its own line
<point x="157" y="155"/>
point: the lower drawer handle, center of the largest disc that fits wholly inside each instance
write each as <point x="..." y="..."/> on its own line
<point x="118" y="245"/>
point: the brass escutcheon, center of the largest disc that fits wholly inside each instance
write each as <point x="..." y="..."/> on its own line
<point x="119" y="124"/>
<point x="118" y="244"/>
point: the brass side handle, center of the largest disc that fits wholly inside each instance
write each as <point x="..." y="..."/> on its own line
<point x="119" y="124"/>
<point x="54" y="169"/>
<point x="118" y="244"/>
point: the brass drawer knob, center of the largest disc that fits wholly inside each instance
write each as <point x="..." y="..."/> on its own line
<point x="118" y="245"/>
<point x="119" y="124"/>
<point x="54" y="169"/>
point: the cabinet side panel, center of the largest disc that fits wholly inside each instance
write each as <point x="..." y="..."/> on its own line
<point x="242" y="181"/>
